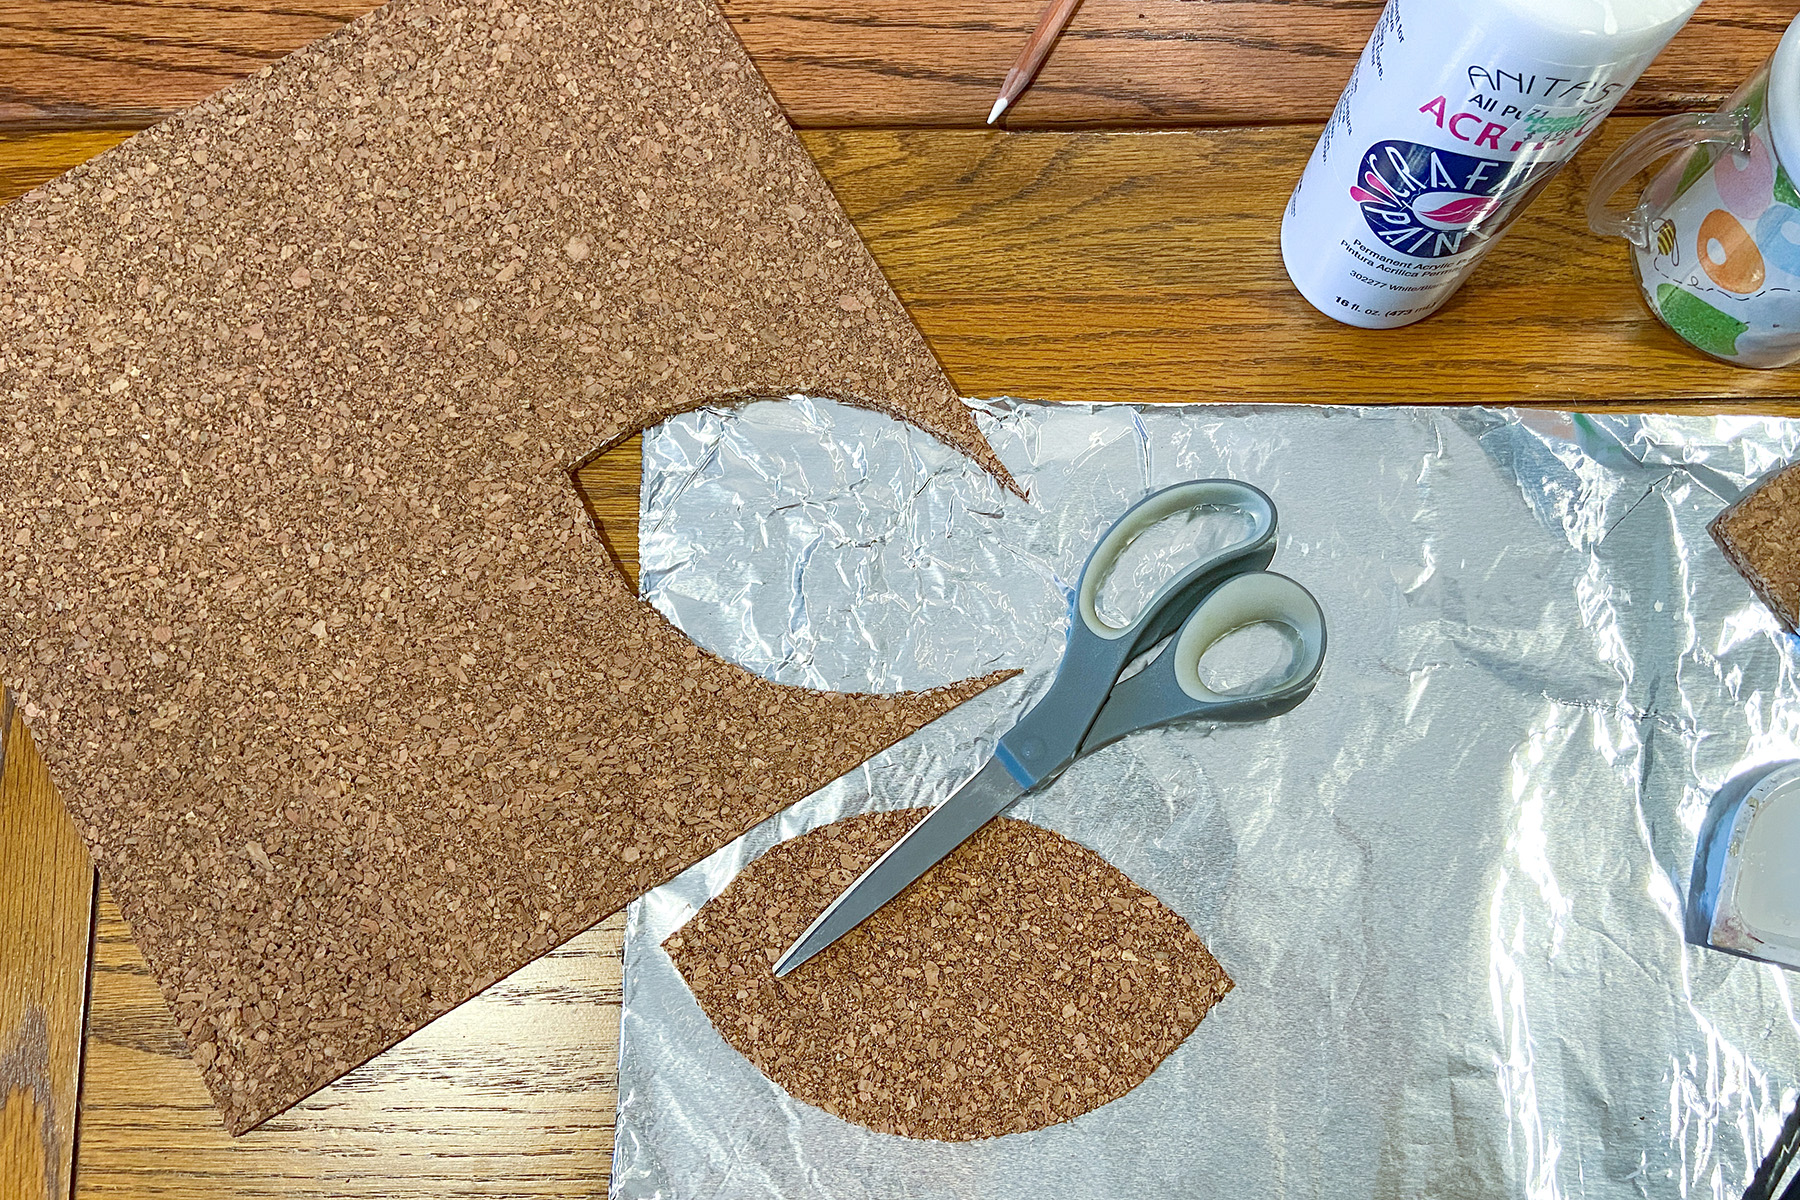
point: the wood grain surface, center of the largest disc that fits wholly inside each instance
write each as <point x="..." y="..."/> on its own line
<point x="1145" y="267"/>
<point x="609" y="486"/>
<point x="28" y="159"/>
<point x="1140" y="63"/>
<point x="510" y="1095"/>
<point x="46" y="913"/>
<point x="847" y="63"/>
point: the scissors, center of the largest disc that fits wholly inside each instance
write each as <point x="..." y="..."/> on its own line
<point x="1088" y="706"/>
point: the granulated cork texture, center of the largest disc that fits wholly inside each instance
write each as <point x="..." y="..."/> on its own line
<point x="1023" y="981"/>
<point x="1760" y="534"/>
<point x="341" y="686"/>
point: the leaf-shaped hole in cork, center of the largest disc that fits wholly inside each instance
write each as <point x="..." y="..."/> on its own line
<point x="1021" y="982"/>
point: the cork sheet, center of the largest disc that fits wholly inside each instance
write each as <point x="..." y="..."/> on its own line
<point x="1021" y="982"/>
<point x="339" y="682"/>
<point x="1758" y="534"/>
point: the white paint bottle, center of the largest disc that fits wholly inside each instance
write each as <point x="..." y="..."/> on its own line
<point x="1457" y="114"/>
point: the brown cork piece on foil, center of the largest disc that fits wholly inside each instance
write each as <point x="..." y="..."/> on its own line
<point x="341" y="686"/>
<point x="1021" y="982"/>
<point x="1760" y="534"/>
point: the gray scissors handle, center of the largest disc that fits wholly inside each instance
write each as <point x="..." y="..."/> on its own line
<point x="1171" y="689"/>
<point x="1050" y="736"/>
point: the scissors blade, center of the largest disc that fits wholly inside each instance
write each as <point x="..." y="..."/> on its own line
<point x="990" y="793"/>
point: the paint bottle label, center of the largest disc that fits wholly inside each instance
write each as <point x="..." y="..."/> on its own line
<point x="1457" y="115"/>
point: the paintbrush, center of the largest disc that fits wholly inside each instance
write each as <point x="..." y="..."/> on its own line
<point x="1037" y="48"/>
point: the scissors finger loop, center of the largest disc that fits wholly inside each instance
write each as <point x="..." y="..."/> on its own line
<point x="1201" y="493"/>
<point x="1171" y="687"/>
<point x="1256" y="599"/>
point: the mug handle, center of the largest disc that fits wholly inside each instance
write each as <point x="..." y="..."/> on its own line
<point x="1655" y="141"/>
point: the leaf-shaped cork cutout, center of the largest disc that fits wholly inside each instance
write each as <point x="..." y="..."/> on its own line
<point x="1021" y="982"/>
<point x="350" y="703"/>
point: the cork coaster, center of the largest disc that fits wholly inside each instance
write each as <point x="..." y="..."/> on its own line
<point x="1759" y="534"/>
<point x="339" y="682"/>
<point x="1022" y="982"/>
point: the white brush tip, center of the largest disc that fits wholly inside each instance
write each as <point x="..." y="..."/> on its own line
<point x="999" y="107"/>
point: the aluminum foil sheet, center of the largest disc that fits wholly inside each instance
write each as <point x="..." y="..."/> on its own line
<point x="1449" y="886"/>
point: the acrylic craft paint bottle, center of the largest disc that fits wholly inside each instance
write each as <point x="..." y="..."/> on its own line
<point x="1457" y="114"/>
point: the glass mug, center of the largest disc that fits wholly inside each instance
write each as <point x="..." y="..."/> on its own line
<point x="1715" y="235"/>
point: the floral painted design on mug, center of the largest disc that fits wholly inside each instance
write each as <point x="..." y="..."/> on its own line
<point x="1704" y="326"/>
<point x="1729" y="253"/>
<point x="1746" y="182"/>
<point x="1778" y="236"/>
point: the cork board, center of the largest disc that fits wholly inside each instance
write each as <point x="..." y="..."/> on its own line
<point x="1759" y="534"/>
<point x="340" y="684"/>
<point x="1021" y="982"/>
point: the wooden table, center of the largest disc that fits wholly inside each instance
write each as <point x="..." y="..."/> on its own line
<point x="1094" y="263"/>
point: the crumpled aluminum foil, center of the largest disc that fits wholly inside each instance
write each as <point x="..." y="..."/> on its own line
<point x="1449" y="886"/>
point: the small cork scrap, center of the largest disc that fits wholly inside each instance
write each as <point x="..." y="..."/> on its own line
<point x="1022" y="982"/>
<point x="1760" y="534"/>
<point x="340" y="684"/>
